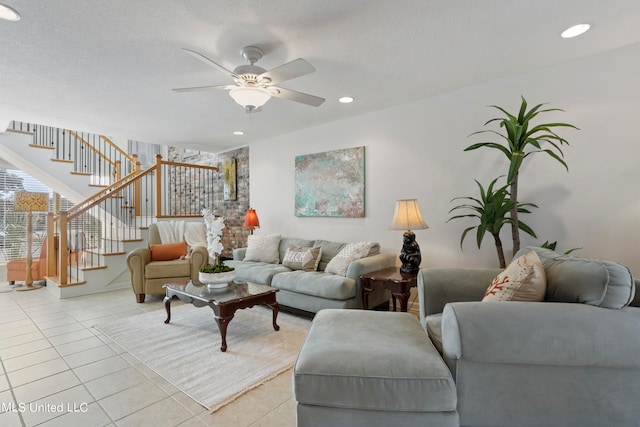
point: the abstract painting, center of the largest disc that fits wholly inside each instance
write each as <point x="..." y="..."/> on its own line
<point x="330" y="184"/>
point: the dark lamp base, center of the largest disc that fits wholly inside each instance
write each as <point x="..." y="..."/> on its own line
<point x="410" y="255"/>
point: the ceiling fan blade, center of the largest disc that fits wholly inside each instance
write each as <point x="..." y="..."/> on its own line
<point x="198" y="88"/>
<point x="290" y="70"/>
<point x="292" y="95"/>
<point x="206" y="60"/>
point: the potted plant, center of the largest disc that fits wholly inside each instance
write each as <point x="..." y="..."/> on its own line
<point x="491" y="209"/>
<point x="520" y="140"/>
<point x="215" y="273"/>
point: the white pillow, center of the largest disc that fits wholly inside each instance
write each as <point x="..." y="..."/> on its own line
<point x="351" y="252"/>
<point x="523" y="280"/>
<point x="263" y="248"/>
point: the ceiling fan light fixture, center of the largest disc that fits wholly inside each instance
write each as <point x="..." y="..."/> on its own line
<point x="250" y="97"/>
<point x="8" y="13"/>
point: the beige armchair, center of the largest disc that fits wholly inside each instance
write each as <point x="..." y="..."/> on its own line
<point x="148" y="277"/>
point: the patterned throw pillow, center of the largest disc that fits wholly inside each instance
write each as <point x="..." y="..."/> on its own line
<point x="263" y="249"/>
<point x="351" y="252"/>
<point x="299" y="258"/>
<point x="523" y="280"/>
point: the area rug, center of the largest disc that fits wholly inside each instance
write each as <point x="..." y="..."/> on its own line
<point x="186" y="352"/>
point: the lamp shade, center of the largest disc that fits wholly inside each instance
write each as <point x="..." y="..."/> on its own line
<point x="31" y="202"/>
<point x="407" y="216"/>
<point x="251" y="219"/>
<point x="250" y="97"/>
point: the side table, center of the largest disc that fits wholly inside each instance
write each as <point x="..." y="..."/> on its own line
<point x="391" y="278"/>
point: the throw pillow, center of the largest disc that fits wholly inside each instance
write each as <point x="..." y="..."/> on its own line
<point x="299" y="258"/>
<point x="168" y="251"/>
<point x="351" y="252"/>
<point x="523" y="280"/>
<point x="263" y="248"/>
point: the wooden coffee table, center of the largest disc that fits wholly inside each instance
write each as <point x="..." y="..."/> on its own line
<point x="224" y="302"/>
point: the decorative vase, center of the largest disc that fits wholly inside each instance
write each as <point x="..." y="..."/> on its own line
<point x="216" y="280"/>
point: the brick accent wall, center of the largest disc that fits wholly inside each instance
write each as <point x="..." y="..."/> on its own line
<point x="233" y="236"/>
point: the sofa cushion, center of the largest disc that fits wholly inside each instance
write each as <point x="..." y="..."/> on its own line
<point x="263" y="248"/>
<point x="523" y="280"/>
<point x="286" y="242"/>
<point x="351" y="252"/>
<point x="168" y="251"/>
<point x="329" y="250"/>
<point x="316" y="283"/>
<point x="299" y="258"/>
<point x="256" y="272"/>
<point x="573" y="279"/>
<point x="168" y="269"/>
<point x="350" y="359"/>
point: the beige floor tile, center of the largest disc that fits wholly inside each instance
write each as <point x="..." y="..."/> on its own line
<point x="20" y="339"/>
<point x="30" y="359"/>
<point x="89" y="356"/>
<point x="193" y="422"/>
<point x="133" y="399"/>
<point x="36" y="372"/>
<point x="79" y="345"/>
<point x="67" y="328"/>
<point x="70" y="337"/>
<point x="53" y="323"/>
<point x="101" y="368"/>
<point x="4" y="383"/>
<point x="22" y="349"/>
<point x="166" y="412"/>
<point x="192" y="406"/>
<point x="13" y="317"/>
<point x="13" y="329"/>
<point x="89" y="415"/>
<point x="46" y="386"/>
<point x="56" y="405"/>
<point x="115" y="382"/>
<point x="10" y="419"/>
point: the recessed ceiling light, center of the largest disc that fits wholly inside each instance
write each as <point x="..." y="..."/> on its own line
<point x="346" y="99"/>
<point x="238" y="132"/>
<point x="8" y="13"/>
<point x="575" y="31"/>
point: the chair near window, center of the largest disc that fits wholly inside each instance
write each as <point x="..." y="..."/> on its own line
<point x="17" y="268"/>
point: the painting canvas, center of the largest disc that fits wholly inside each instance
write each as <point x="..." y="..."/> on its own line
<point x="229" y="179"/>
<point x="330" y="184"/>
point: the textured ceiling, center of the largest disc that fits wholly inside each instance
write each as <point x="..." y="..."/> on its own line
<point x="109" y="66"/>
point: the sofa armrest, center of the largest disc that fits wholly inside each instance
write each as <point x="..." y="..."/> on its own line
<point x="198" y="256"/>
<point x="439" y="286"/>
<point x="539" y="333"/>
<point x="137" y="259"/>
<point x="239" y="253"/>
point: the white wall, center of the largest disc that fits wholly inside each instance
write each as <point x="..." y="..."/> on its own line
<point x="416" y="151"/>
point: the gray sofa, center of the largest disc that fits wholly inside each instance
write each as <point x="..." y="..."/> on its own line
<point x="572" y="360"/>
<point x="312" y="291"/>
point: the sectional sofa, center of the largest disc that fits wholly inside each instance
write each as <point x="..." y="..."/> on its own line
<point x="311" y="287"/>
<point x="570" y="360"/>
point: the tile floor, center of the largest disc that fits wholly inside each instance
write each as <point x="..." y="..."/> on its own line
<point x="59" y="371"/>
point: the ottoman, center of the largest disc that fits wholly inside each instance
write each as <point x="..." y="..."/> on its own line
<point x="371" y="368"/>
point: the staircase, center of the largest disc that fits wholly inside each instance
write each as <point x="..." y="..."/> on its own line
<point x="114" y="202"/>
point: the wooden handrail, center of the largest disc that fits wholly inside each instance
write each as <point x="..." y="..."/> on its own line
<point x="105" y="194"/>
<point x="132" y="158"/>
<point x="91" y="147"/>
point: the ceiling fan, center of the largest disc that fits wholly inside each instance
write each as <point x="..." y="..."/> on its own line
<point x="254" y="85"/>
